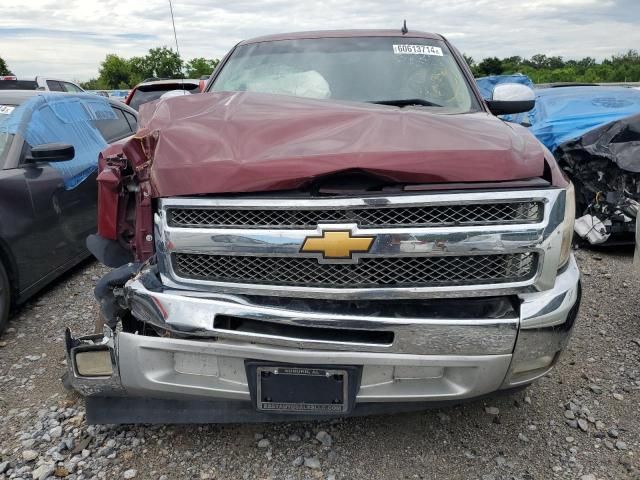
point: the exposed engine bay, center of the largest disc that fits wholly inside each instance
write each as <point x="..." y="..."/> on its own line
<point x="604" y="165"/>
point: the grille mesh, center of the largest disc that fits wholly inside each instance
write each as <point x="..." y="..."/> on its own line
<point x="435" y="215"/>
<point x="368" y="273"/>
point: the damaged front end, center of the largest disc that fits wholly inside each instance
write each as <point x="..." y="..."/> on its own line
<point x="179" y="349"/>
<point x="92" y="364"/>
<point x="466" y="286"/>
<point x="125" y="208"/>
<point x="92" y="359"/>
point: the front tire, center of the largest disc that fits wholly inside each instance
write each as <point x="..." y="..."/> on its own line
<point x="5" y="298"/>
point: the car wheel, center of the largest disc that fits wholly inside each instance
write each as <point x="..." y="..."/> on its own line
<point x="5" y="298"/>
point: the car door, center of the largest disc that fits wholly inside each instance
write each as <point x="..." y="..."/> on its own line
<point x="79" y="210"/>
<point x="31" y="218"/>
<point x="60" y="218"/>
<point x="30" y="223"/>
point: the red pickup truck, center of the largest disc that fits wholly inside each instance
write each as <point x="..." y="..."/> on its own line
<point x="339" y="226"/>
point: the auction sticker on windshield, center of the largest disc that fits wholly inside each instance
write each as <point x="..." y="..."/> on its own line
<point x="6" y="109"/>
<point x="417" y="50"/>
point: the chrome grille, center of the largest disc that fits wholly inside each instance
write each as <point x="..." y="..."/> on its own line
<point x="419" y="216"/>
<point x="369" y="272"/>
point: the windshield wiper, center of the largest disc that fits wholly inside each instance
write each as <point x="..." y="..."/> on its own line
<point x="407" y="102"/>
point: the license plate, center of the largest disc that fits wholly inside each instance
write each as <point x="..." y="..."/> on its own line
<point x="302" y="389"/>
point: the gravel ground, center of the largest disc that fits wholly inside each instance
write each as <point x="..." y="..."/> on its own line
<point x="580" y="422"/>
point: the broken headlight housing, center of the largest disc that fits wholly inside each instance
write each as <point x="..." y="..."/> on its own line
<point x="567" y="225"/>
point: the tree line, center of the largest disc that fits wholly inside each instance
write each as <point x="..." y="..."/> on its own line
<point x="624" y="67"/>
<point x="4" y="69"/>
<point x="117" y="72"/>
<point x="120" y="73"/>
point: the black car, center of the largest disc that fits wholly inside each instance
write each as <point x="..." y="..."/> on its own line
<point x="49" y="146"/>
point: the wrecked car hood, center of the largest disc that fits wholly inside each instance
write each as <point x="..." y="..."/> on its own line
<point x="251" y="142"/>
<point x="617" y="142"/>
<point x="605" y="164"/>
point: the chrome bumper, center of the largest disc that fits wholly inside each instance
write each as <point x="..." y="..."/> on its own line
<point x="428" y="359"/>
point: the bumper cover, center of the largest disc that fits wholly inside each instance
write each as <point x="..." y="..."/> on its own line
<point x="429" y="360"/>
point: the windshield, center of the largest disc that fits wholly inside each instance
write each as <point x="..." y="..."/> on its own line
<point x="397" y="71"/>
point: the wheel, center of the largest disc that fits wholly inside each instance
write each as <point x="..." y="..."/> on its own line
<point x="5" y="298"/>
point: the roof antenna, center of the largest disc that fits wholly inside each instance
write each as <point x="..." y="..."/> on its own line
<point x="175" y="36"/>
<point x="404" y="30"/>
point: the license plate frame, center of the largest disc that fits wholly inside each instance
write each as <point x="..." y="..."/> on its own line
<point x="303" y="389"/>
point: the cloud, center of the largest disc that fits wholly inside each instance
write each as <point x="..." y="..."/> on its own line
<point x="70" y="39"/>
<point x="34" y="33"/>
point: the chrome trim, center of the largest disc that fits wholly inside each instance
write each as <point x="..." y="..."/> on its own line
<point x="404" y="200"/>
<point x="89" y="386"/>
<point x="194" y="316"/>
<point x="545" y="326"/>
<point x="547" y="309"/>
<point x="543" y="238"/>
<point x="440" y="215"/>
<point x="411" y="242"/>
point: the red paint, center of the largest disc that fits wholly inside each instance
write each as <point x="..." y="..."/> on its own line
<point x="140" y="151"/>
<point x="108" y="195"/>
<point x="341" y="34"/>
<point x="249" y="142"/>
<point x="128" y="98"/>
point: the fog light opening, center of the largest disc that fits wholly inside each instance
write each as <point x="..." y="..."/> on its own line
<point x="533" y="364"/>
<point x="93" y="363"/>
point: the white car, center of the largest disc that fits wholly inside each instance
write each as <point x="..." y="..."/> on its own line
<point x="11" y="82"/>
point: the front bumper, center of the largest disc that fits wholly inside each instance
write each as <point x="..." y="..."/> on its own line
<point x="407" y="360"/>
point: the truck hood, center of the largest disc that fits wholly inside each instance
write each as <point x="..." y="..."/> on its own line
<point x="250" y="142"/>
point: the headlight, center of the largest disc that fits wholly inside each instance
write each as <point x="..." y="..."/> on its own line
<point x="567" y="225"/>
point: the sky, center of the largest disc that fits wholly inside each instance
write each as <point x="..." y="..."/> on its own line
<point x="69" y="39"/>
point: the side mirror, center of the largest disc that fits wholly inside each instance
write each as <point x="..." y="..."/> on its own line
<point x="511" y="98"/>
<point x="52" y="152"/>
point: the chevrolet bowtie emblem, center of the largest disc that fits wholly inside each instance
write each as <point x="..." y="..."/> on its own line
<point x="337" y="244"/>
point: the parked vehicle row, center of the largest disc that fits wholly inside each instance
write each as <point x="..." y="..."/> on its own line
<point x="120" y="95"/>
<point x="152" y="90"/>
<point x="11" y="82"/>
<point x="147" y="91"/>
